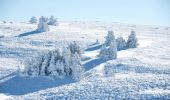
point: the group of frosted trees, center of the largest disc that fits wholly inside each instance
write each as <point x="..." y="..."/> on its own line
<point x="111" y="46"/>
<point x="132" y="42"/>
<point x="44" y="22"/>
<point x="50" y="21"/>
<point x="56" y="64"/>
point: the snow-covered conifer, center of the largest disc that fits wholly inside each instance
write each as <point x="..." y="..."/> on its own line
<point x="108" y="53"/>
<point x="75" y="48"/>
<point x="109" y="38"/>
<point x="77" y="67"/>
<point x="45" y="66"/>
<point x="43" y="26"/>
<point x="52" y="67"/>
<point x="53" y="21"/>
<point x="121" y="43"/>
<point x="33" y="66"/>
<point x="33" y="19"/>
<point x="104" y="52"/>
<point x="60" y="69"/>
<point x="67" y="60"/>
<point x="112" y="50"/>
<point x="132" y="40"/>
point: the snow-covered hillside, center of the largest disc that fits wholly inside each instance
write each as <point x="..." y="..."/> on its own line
<point x="138" y="73"/>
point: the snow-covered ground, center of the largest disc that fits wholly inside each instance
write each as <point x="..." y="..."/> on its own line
<point x="139" y="73"/>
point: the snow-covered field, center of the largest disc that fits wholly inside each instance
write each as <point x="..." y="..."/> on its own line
<point x="139" y="73"/>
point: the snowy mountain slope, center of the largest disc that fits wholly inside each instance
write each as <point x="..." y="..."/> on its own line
<point x="142" y="72"/>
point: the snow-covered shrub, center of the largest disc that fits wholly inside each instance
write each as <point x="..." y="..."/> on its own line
<point x="132" y="41"/>
<point x="121" y="43"/>
<point x="109" y="38"/>
<point x="33" y="19"/>
<point x="53" y="21"/>
<point x="55" y="64"/>
<point x="43" y="26"/>
<point x="108" y="69"/>
<point x="74" y="48"/>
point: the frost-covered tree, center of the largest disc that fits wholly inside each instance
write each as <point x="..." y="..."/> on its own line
<point x="45" y="66"/>
<point x="132" y="41"/>
<point x="75" y="48"/>
<point x="52" y="67"/>
<point x="108" y="53"/>
<point x="67" y="60"/>
<point x="109" y="38"/>
<point x="77" y="68"/>
<point x="43" y="26"/>
<point x="33" y="66"/>
<point x="33" y="19"/>
<point x="112" y="50"/>
<point x="53" y="21"/>
<point x="104" y="54"/>
<point x="121" y="43"/>
<point x="108" y="69"/>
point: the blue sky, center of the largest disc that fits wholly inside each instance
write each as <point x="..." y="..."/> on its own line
<point x="151" y="12"/>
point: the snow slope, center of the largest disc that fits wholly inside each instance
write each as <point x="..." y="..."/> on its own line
<point x="140" y="73"/>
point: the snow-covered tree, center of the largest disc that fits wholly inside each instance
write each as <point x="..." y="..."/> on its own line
<point x="52" y="67"/>
<point x="33" y="66"/>
<point x="132" y="41"/>
<point x="67" y="60"/>
<point x="108" y="53"/>
<point x="43" y="26"/>
<point x="121" y="43"/>
<point x="112" y="50"/>
<point x="109" y="38"/>
<point x="75" y="48"/>
<point x="104" y="52"/>
<point x="108" y="70"/>
<point x="53" y="21"/>
<point x="33" y="19"/>
<point x="45" y="67"/>
<point x="77" y="68"/>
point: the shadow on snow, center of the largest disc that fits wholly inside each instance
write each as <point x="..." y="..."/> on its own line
<point x="95" y="47"/>
<point x="92" y="63"/>
<point x="28" y="33"/>
<point x="18" y="85"/>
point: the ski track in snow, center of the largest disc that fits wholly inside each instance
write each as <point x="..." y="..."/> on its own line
<point x="140" y="73"/>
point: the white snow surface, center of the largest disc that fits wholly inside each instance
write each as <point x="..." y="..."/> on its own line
<point x="141" y="73"/>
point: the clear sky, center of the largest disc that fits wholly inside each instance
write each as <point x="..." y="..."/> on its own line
<point x="151" y="12"/>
